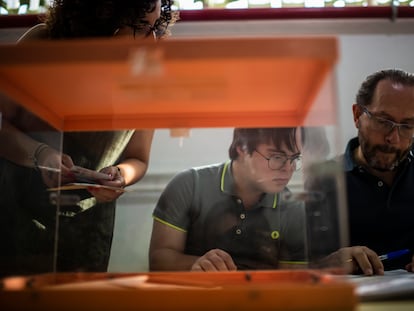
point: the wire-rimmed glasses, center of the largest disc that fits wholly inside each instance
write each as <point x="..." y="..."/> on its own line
<point x="276" y="162"/>
<point x="405" y="130"/>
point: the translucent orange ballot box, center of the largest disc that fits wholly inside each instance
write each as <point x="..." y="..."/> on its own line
<point x="110" y="84"/>
<point x="179" y="291"/>
<point x="99" y="85"/>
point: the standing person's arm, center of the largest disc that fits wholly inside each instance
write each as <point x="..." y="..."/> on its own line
<point x="21" y="149"/>
<point x="136" y="156"/>
<point x="130" y="170"/>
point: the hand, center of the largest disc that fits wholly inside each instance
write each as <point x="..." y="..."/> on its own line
<point x="410" y="267"/>
<point x="214" y="260"/>
<point x="118" y="181"/>
<point x="54" y="166"/>
<point x="360" y="259"/>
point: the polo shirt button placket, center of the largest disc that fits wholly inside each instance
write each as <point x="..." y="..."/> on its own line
<point x="242" y="215"/>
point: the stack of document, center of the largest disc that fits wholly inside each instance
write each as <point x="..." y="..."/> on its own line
<point x="394" y="284"/>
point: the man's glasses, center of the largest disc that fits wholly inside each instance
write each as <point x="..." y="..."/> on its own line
<point x="386" y="126"/>
<point x="276" y="162"/>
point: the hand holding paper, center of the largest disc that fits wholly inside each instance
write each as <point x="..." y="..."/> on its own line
<point x="86" y="175"/>
<point x="109" y="179"/>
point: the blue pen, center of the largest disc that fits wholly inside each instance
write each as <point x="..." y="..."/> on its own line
<point x="393" y="255"/>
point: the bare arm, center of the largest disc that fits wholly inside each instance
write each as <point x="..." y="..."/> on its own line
<point x="167" y="253"/>
<point x="21" y="149"/>
<point x="166" y="250"/>
<point x="16" y="146"/>
<point x="134" y="166"/>
<point x="136" y="156"/>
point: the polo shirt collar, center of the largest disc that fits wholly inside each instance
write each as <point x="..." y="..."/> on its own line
<point x="227" y="185"/>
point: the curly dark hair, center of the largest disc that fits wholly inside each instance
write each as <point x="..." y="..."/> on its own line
<point x="367" y="89"/>
<point x="102" y="18"/>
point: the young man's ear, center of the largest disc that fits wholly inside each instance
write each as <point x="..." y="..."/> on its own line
<point x="241" y="150"/>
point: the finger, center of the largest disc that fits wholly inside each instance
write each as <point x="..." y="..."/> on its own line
<point x="351" y="266"/>
<point x="113" y="171"/>
<point x="218" y="262"/>
<point x="196" y="267"/>
<point x="67" y="161"/>
<point x="228" y="260"/>
<point x="363" y="261"/>
<point x="207" y="265"/>
<point x="221" y="260"/>
<point x="119" y="183"/>
<point x="376" y="263"/>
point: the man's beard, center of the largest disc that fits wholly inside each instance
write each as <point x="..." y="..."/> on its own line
<point x="373" y="160"/>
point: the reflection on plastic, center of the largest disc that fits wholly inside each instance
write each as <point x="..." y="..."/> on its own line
<point x="306" y="196"/>
<point x="64" y="199"/>
<point x="181" y="133"/>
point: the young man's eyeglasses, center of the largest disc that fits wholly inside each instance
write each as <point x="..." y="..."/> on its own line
<point x="405" y="130"/>
<point x="276" y="162"/>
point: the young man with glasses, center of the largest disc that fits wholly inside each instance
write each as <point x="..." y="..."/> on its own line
<point x="232" y="215"/>
<point x="379" y="170"/>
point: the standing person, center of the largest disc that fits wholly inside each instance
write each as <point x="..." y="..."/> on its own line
<point x="379" y="166"/>
<point x="233" y="215"/>
<point x="85" y="229"/>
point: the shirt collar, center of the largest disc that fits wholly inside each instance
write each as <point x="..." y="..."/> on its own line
<point x="349" y="161"/>
<point x="227" y="185"/>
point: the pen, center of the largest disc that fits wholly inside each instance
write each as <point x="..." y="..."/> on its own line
<point x="393" y="255"/>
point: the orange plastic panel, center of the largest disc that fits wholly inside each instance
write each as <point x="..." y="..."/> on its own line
<point x="178" y="83"/>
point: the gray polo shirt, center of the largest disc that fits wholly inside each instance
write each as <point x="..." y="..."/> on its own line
<point x="202" y="202"/>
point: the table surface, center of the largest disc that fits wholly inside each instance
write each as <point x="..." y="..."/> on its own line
<point x="397" y="305"/>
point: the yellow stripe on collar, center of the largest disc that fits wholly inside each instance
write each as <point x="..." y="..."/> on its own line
<point x="222" y="175"/>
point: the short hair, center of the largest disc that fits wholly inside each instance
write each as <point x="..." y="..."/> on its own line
<point x="367" y="88"/>
<point x="251" y="137"/>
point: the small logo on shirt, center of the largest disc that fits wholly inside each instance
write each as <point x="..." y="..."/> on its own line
<point x="275" y="235"/>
